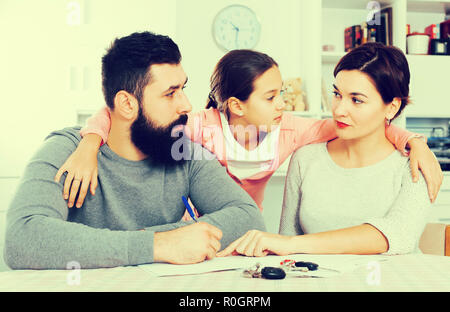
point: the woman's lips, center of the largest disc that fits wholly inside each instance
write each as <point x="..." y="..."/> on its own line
<point x="341" y="124"/>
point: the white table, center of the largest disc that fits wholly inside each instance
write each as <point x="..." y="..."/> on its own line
<point x="412" y="273"/>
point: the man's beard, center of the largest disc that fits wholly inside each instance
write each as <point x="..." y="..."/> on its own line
<point x="156" y="142"/>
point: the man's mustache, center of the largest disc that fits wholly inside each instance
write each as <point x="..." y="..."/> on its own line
<point x="177" y="125"/>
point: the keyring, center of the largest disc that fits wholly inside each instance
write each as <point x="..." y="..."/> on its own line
<point x="302" y="266"/>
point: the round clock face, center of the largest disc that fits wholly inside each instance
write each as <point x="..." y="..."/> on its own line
<point x="236" y="27"/>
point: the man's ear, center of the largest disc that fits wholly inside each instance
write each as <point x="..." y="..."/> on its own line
<point x="126" y="105"/>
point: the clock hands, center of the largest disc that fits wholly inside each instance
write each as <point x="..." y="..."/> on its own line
<point x="240" y="28"/>
<point x="236" y="34"/>
<point x="235" y="27"/>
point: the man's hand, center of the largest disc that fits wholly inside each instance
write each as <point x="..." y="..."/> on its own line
<point x="186" y="245"/>
<point x="256" y="243"/>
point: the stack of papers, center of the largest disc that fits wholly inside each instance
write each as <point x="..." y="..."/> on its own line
<point x="329" y="265"/>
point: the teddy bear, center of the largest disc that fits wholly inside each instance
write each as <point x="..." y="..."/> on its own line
<point x="293" y="95"/>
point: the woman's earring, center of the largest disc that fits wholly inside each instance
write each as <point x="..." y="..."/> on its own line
<point x="388" y="122"/>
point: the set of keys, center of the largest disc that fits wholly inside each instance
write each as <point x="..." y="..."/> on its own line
<point x="266" y="272"/>
<point x="279" y="273"/>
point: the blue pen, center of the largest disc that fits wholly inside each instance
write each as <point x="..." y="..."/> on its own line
<point x="189" y="208"/>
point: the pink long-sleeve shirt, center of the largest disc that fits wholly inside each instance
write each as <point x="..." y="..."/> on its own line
<point x="205" y="128"/>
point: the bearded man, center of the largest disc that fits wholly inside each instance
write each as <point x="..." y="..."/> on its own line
<point x="134" y="216"/>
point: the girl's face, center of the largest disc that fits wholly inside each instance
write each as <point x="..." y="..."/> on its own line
<point x="265" y="105"/>
<point x="358" y="108"/>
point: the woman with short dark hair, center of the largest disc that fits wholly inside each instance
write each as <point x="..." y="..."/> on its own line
<point x="353" y="194"/>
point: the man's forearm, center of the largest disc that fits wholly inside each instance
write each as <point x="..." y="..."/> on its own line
<point x="39" y="242"/>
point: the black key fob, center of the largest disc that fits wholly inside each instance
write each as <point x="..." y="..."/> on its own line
<point x="273" y="273"/>
<point x="310" y="265"/>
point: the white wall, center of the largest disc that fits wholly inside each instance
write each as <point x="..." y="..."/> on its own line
<point x="51" y="51"/>
<point x="280" y="38"/>
<point x="50" y="64"/>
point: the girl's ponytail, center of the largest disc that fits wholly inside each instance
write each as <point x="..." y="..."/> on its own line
<point x="211" y="101"/>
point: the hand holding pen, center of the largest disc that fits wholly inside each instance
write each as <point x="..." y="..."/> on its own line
<point x="189" y="208"/>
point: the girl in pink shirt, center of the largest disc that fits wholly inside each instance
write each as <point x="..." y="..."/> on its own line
<point x="245" y="127"/>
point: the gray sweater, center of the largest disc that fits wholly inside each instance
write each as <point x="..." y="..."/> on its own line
<point x="43" y="233"/>
<point x="322" y="196"/>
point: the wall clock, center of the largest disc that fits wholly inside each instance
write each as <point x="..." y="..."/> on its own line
<point x="236" y="27"/>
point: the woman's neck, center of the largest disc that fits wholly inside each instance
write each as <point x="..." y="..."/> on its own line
<point x="360" y="152"/>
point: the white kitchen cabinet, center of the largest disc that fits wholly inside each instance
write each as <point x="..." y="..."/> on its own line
<point x="327" y="19"/>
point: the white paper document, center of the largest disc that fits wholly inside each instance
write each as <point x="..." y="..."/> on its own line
<point x="216" y="264"/>
<point x="329" y="265"/>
